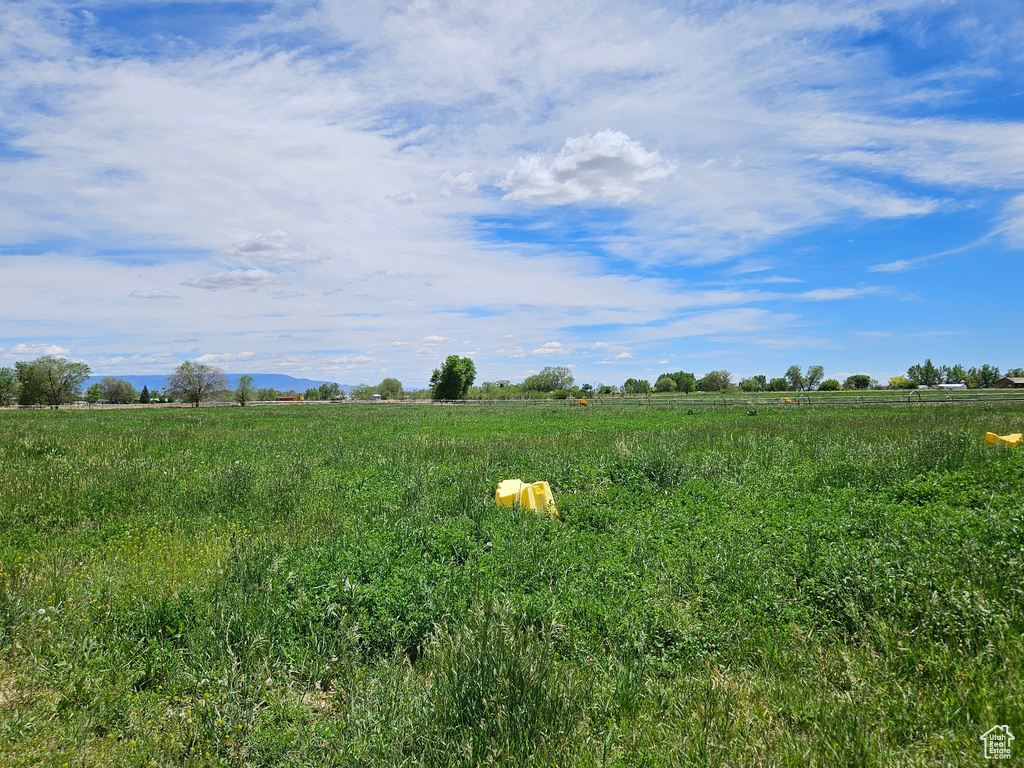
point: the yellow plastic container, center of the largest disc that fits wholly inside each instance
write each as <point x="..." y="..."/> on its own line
<point x="991" y="438"/>
<point x="535" y="496"/>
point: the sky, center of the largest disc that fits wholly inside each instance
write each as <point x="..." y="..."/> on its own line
<point x="350" y="191"/>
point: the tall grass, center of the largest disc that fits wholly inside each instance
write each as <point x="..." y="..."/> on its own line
<point x="334" y="585"/>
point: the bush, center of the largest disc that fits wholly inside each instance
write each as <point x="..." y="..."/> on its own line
<point x="829" y="385"/>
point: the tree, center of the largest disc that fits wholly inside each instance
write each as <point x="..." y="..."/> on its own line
<point x="715" y="381"/>
<point x="829" y="385"/>
<point x="857" y="381"/>
<point x="795" y="377"/>
<point x="954" y="374"/>
<point x="118" y="390"/>
<point x="987" y="375"/>
<point x="144" y="395"/>
<point x="195" y="382"/>
<point x="265" y="394"/>
<point x="685" y="382"/>
<point x="8" y="385"/>
<point x="549" y="379"/>
<point x="666" y="383"/>
<point x="392" y="389"/>
<point x="244" y="390"/>
<point x="815" y="374"/>
<point x="900" y="382"/>
<point x="1015" y="372"/>
<point x="453" y="379"/>
<point x="49" y="379"/>
<point x="778" y="384"/>
<point x="329" y="391"/>
<point x="636" y="387"/>
<point x="925" y="374"/>
<point x="93" y="394"/>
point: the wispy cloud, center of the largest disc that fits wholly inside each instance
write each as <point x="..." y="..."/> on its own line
<point x="236" y="278"/>
<point x="153" y="294"/>
<point x="274" y="247"/>
<point x="711" y="155"/>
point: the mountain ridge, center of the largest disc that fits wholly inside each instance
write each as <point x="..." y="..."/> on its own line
<point x="279" y="381"/>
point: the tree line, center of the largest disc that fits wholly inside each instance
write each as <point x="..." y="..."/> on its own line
<point x="53" y="381"/>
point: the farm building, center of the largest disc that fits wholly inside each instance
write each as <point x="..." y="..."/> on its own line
<point x="1010" y="382"/>
<point x="961" y="385"/>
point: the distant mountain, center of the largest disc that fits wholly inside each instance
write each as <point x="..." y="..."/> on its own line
<point x="278" y="381"/>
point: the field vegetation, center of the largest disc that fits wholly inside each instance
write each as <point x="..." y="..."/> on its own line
<point x="333" y="585"/>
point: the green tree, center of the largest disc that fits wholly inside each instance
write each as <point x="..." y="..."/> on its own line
<point x="195" y="382"/>
<point x="666" y="383"/>
<point x="453" y="379"/>
<point x="778" y="384"/>
<point x="329" y="391"/>
<point x="8" y="385"/>
<point x="685" y="382"/>
<point x="815" y="374"/>
<point x="636" y="387"/>
<point x="549" y="379"/>
<point x="900" y="382"/>
<point x="144" y="395"/>
<point x="392" y="389"/>
<point x="51" y="380"/>
<point x="987" y="375"/>
<point x="93" y="394"/>
<point x="857" y="381"/>
<point x="1015" y="373"/>
<point x="954" y="374"/>
<point x="795" y="377"/>
<point x="925" y="374"/>
<point x="245" y="392"/>
<point x="267" y="394"/>
<point x="118" y="390"/>
<point x="829" y="385"/>
<point x="715" y="381"/>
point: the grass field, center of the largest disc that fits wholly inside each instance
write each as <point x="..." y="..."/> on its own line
<point x="333" y="585"/>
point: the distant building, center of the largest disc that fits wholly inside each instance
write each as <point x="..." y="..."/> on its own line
<point x="1010" y="382"/>
<point x="961" y="385"/>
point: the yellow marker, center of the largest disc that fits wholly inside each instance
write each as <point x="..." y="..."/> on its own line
<point x="536" y="496"/>
<point x="991" y="438"/>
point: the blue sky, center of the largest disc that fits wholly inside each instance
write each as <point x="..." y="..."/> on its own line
<point x="348" y="191"/>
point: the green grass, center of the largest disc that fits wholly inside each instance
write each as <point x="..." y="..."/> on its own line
<point x="333" y="585"/>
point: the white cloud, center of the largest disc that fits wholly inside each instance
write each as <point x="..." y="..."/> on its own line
<point x="1013" y="226"/>
<point x="154" y="294"/>
<point x="515" y="352"/>
<point x="900" y="265"/>
<point x="552" y="348"/>
<point x="834" y="294"/>
<point x="353" y="359"/>
<point x="436" y="339"/>
<point x="465" y="183"/>
<point x="35" y="350"/>
<point x="274" y="247"/>
<point x="403" y="198"/>
<point x="606" y="166"/>
<point x="236" y="278"/>
<point x="226" y="357"/>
